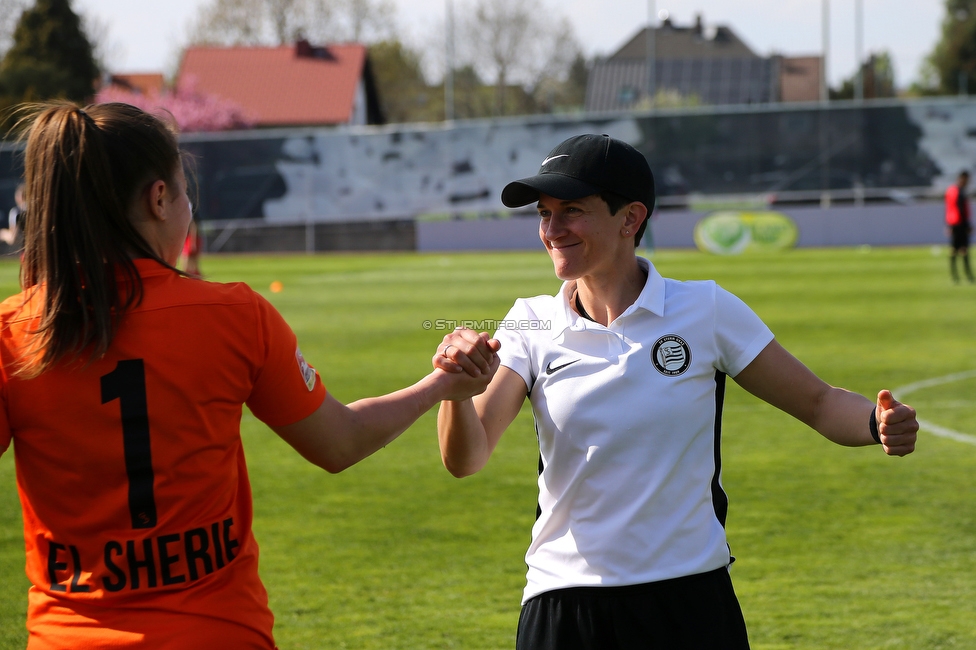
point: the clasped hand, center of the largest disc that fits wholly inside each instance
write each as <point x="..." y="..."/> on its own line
<point x="470" y="358"/>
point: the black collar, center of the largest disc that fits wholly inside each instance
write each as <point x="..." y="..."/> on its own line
<point x="579" y="308"/>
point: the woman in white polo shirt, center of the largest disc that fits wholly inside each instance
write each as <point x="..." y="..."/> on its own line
<point x="627" y="386"/>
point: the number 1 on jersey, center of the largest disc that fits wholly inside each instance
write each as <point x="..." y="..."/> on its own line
<point x="127" y="383"/>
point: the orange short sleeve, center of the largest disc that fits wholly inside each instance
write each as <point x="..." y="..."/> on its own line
<point x="287" y="388"/>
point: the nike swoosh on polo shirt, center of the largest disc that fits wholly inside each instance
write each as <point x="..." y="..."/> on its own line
<point x="550" y="369"/>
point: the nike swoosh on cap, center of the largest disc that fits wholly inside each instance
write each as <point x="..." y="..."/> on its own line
<point x="550" y="369"/>
<point x="562" y="155"/>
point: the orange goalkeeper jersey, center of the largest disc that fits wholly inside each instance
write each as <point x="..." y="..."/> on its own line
<point x="136" y="501"/>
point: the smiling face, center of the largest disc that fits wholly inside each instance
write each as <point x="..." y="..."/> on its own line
<point x="582" y="237"/>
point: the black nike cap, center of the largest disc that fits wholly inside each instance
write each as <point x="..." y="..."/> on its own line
<point x="585" y="165"/>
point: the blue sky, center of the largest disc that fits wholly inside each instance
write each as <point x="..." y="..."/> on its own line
<point x="146" y="35"/>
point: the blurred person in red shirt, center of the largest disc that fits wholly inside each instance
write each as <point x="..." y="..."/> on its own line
<point x="958" y="225"/>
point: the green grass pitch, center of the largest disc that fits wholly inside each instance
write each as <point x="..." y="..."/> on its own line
<point x="837" y="548"/>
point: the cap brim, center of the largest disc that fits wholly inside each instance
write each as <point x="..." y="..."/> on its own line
<point x="527" y="190"/>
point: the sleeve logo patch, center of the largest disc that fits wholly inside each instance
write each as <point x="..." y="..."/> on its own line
<point x="308" y="372"/>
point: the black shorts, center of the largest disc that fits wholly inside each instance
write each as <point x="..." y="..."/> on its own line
<point x="698" y="612"/>
<point x="960" y="236"/>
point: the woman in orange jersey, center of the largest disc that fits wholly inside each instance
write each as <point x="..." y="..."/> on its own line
<point x="121" y="385"/>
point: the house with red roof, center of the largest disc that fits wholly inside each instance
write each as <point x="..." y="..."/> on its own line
<point x="143" y="83"/>
<point x="290" y="85"/>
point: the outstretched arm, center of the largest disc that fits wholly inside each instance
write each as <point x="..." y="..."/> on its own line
<point x="777" y="377"/>
<point x="337" y="436"/>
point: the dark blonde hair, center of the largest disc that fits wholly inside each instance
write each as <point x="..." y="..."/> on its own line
<point x="84" y="169"/>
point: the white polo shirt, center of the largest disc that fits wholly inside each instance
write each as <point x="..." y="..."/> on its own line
<point x="629" y="423"/>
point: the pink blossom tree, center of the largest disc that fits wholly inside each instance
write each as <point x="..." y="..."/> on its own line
<point x="193" y="110"/>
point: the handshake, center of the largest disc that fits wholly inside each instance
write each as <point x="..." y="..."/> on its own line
<point x="468" y="361"/>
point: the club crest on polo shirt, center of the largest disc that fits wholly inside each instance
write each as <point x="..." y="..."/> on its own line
<point x="308" y="372"/>
<point x="671" y="355"/>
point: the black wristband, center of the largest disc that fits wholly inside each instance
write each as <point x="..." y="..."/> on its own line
<point x="873" y="425"/>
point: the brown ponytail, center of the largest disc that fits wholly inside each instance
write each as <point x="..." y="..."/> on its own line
<point x="84" y="169"/>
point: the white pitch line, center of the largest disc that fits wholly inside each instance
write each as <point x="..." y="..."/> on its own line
<point x="934" y="428"/>
<point x="942" y="432"/>
<point x="936" y="381"/>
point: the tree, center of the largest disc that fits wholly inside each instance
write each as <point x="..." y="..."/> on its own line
<point x="255" y="22"/>
<point x="403" y="91"/>
<point x="105" y="50"/>
<point x="366" y="21"/>
<point x="51" y="57"/>
<point x="878" y="79"/>
<point x="10" y="11"/>
<point x="577" y="80"/>
<point x="96" y="29"/>
<point x="517" y="41"/>
<point x="954" y="58"/>
<point x="555" y="95"/>
<point x="278" y="22"/>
